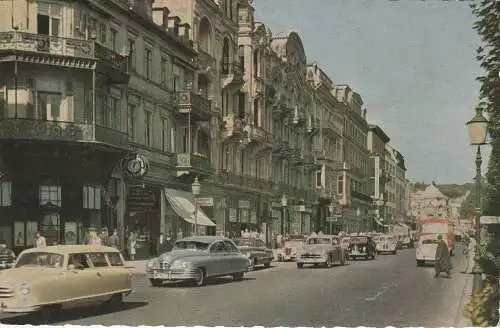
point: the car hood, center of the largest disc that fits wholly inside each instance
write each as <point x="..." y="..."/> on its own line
<point x="180" y="254"/>
<point x="28" y="274"/>
<point x="315" y="248"/>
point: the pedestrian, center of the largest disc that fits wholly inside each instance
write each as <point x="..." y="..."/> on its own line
<point x="132" y="246"/>
<point x="442" y="258"/>
<point x="161" y="245"/>
<point x="93" y="238"/>
<point x="279" y="240"/>
<point x="40" y="240"/>
<point x="114" y="240"/>
<point x="104" y="236"/>
<point x="471" y="252"/>
<point x="465" y="251"/>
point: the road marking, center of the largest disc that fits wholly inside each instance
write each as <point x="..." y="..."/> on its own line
<point x="384" y="290"/>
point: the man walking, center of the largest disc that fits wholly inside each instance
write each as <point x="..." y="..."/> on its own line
<point x="443" y="261"/>
<point x="465" y="251"/>
<point x="40" y="240"/>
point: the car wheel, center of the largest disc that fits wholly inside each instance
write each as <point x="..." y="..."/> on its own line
<point x="115" y="302"/>
<point x="328" y="262"/>
<point x="394" y="252"/>
<point x="156" y="282"/>
<point x="280" y="258"/>
<point x="238" y="276"/>
<point x="300" y="265"/>
<point x="200" y="277"/>
<point x="420" y="263"/>
<point x="267" y="264"/>
<point x="46" y="314"/>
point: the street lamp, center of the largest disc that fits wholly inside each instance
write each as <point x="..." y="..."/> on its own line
<point x="195" y="189"/>
<point x="284" y="202"/>
<point x="478" y="130"/>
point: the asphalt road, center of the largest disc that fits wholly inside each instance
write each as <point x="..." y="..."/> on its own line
<point x="390" y="290"/>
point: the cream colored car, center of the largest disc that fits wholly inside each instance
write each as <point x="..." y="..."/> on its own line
<point x="67" y="276"/>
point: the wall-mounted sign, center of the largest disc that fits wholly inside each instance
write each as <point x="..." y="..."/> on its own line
<point x="137" y="166"/>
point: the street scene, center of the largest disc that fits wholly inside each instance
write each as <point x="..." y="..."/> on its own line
<point x="250" y="162"/>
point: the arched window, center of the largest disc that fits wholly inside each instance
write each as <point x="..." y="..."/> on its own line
<point x="256" y="112"/>
<point x="256" y="62"/>
<point x="230" y="9"/>
<point x="225" y="56"/>
<point x="241" y="55"/>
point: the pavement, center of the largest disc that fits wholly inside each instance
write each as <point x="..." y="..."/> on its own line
<point x="389" y="291"/>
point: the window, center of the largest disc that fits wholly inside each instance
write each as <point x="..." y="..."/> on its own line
<point x="256" y="63"/>
<point x="148" y="122"/>
<point x="49" y="106"/>
<point x="49" y="19"/>
<point x="50" y="194"/>
<point x="5" y="194"/>
<point x="114" y="259"/>
<point x="98" y="260"/>
<point x="218" y="247"/>
<point x="256" y="120"/>
<point x="340" y="184"/>
<point x="103" y="30"/>
<point x="230" y="246"/>
<point x="225" y="57"/>
<point x="319" y="179"/>
<point x="114" y="39"/>
<point x="242" y="162"/>
<point x="230" y="9"/>
<point x="241" y="105"/>
<point x="148" y="63"/>
<point x="241" y="55"/>
<point x="185" y="140"/>
<point x="132" y="54"/>
<point x="131" y="121"/>
<point x="79" y="259"/>
<point x="164" y="134"/>
<point x="114" y="113"/>
<point x="91" y="197"/>
<point x="164" y="69"/>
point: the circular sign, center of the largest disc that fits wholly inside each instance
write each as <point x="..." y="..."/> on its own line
<point x="137" y="166"/>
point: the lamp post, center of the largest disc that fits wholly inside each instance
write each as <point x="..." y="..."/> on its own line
<point x="478" y="130"/>
<point x="284" y="202"/>
<point x="195" y="189"/>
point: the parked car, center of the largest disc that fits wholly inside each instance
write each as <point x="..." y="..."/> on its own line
<point x="344" y="243"/>
<point x="290" y="249"/>
<point x="52" y="278"/>
<point x="386" y="244"/>
<point x="196" y="259"/>
<point x="406" y="242"/>
<point x="362" y="246"/>
<point x="426" y="251"/>
<point x="7" y="258"/>
<point x="321" y="250"/>
<point x="255" y="250"/>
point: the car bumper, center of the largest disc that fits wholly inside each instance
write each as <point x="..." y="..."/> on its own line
<point x="311" y="260"/>
<point x="7" y="309"/>
<point x="172" y="275"/>
<point x="354" y="254"/>
<point x="382" y="250"/>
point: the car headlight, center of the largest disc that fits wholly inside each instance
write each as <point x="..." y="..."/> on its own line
<point x="24" y="288"/>
<point x="179" y="265"/>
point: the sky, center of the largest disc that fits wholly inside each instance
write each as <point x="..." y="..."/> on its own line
<point x="413" y="63"/>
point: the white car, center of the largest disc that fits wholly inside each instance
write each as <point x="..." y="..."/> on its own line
<point x="289" y="251"/>
<point x="426" y="251"/>
<point x="386" y="244"/>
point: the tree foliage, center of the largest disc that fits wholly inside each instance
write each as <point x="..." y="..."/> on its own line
<point x="487" y="15"/>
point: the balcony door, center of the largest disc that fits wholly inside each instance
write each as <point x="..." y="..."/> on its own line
<point x="49" y="18"/>
<point x="49" y="106"/>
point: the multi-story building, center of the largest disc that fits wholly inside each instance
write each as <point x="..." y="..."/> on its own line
<point x="401" y="188"/>
<point x="357" y="165"/>
<point x="376" y="142"/>
<point x="391" y="162"/>
<point x="88" y="88"/>
<point x="430" y="202"/>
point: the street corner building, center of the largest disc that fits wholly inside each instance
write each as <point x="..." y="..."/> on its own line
<point x="111" y="112"/>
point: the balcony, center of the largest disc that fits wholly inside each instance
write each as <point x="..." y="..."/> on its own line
<point x="281" y="107"/>
<point x="247" y="183"/>
<point x="206" y="62"/>
<point x="296" y="156"/>
<point x="232" y="127"/>
<point x="198" y="106"/>
<point x="259" y="87"/>
<point x="32" y="129"/>
<point x="196" y="164"/>
<point x="258" y="138"/>
<point x="281" y="149"/>
<point x="360" y="196"/>
<point x="63" y="52"/>
<point x="232" y="75"/>
<point x="332" y="129"/>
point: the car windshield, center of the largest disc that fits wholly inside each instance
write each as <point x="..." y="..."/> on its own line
<point x="294" y="243"/>
<point x="316" y="241"/>
<point x="346" y="241"/>
<point x="359" y="240"/>
<point x="244" y="241"/>
<point x="40" y="259"/>
<point x="190" y="244"/>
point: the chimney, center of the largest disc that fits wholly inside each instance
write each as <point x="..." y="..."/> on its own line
<point x="160" y="16"/>
<point x="173" y="24"/>
<point x="184" y="29"/>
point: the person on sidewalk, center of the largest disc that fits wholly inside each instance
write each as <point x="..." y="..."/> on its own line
<point x="443" y="260"/>
<point x="114" y="240"/>
<point x="465" y="251"/>
<point x="40" y="240"/>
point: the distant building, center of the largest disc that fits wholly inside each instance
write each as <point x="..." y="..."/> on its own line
<point x="430" y="202"/>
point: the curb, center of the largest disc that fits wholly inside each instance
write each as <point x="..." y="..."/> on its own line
<point x="460" y="319"/>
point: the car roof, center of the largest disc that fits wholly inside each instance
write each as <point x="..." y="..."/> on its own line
<point x="203" y="239"/>
<point x="66" y="249"/>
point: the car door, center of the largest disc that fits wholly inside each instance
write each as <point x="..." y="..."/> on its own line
<point x="105" y="282"/>
<point x="234" y="257"/>
<point x="80" y="279"/>
<point x="217" y="263"/>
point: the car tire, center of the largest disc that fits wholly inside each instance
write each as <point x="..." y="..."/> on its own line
<point x="300" y="265"/>
<point x="238" y="276"/>
<point x="394" y="252"/>
<point x="156" y="282"/>
<point x="328" y="262"/>
<point x="46" y="314"/>
<point x="201" y="277"/>
<point x="420" y="263"/>
<point x="115" y="302"/>
<point x="267" y="264"/>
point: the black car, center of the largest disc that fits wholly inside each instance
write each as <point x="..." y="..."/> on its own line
<point x="362" y="247"/>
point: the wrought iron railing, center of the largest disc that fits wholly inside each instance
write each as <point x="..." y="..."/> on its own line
<point x="234" y="68"/>
<point x="189" y="101"/>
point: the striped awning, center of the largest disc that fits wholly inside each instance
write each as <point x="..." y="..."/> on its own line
<point x="183" y="204"/>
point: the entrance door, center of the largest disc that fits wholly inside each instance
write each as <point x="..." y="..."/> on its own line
<point x="49" y="106"/>
<point x="50" y="227"/>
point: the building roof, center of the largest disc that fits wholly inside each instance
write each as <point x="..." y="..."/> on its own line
<point x="379" y="132"/>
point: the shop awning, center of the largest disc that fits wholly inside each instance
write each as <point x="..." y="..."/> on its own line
<point x="183" y="204"/>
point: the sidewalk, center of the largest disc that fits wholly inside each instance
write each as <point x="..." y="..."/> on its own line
<point x="460" y="319"/>
<point x="137" y="268"/>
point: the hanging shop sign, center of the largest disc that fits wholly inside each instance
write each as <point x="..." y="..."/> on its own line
<point x="137" y="166"/>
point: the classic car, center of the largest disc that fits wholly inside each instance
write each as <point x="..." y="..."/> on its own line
<point x="426" y="251"/>
<point x="52" y="278"/>
<point x="289" y="250"/>
<point x="321" y="250"/>
<point x="196" y="259"/>
<point x="256" y="251"/>
<point x="406" y="242"/>
<point x="7" y="258"/>
<point x="362" y="246"/>
<point x="386" y="244"/>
